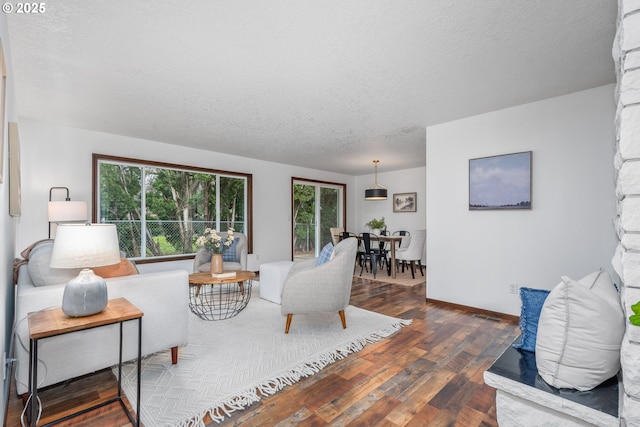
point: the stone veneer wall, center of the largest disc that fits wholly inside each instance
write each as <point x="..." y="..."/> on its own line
<point x="626" y="261"/>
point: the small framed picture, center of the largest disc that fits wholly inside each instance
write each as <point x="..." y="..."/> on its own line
<point x="404" y="202"/>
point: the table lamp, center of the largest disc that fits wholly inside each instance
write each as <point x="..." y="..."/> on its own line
<point x="85" y="246"/>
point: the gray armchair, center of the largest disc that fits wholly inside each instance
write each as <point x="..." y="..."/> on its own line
<point x="311" y="288"/>
<point x="202" y="261"/>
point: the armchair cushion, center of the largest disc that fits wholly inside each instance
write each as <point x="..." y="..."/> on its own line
<point x="230" y="254"/>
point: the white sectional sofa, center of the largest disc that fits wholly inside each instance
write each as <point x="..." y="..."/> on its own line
<point x="162" y="297"/>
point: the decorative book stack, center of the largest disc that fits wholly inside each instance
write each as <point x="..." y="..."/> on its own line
<point x="223" y="275"/>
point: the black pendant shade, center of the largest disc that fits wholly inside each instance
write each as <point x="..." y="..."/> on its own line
<point x="375" y="194"/>
<point x="376" y="191"/>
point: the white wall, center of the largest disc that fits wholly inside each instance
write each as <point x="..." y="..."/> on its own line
<point x="7" y="223"/>
<point x="61" y="156"/>
<point x="474" y="256"/>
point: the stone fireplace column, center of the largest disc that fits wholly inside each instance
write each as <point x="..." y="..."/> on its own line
<point x="626" y="261"/>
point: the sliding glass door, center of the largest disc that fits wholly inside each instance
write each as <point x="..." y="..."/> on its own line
<point x="317" y="207"/>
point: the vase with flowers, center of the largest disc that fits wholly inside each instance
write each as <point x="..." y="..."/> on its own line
<point x="214" y="243"/>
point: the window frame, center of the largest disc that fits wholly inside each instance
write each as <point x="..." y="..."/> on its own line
<point x="95" y="184"/>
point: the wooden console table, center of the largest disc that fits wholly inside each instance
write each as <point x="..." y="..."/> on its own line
<point x="53" y="322"/>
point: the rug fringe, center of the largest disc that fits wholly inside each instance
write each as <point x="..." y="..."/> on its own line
<point x="271" y="387"/>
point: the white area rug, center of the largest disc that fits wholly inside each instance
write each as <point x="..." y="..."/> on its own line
<point x="229" y="364"/>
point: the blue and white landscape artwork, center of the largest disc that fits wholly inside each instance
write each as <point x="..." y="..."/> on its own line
<point x="500" y="182"/>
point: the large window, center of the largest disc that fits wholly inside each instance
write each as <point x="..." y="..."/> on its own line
<point x="160" y="209"/>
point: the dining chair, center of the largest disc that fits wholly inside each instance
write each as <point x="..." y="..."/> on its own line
<point x="345" y="235"/>
<point x="404" y="243"/>
<point x="413" y="252"/>
<point x="406" y="238"/>
<point x="370" y="252"/>
<point x="384" y="247"/>
<point x="336" y="234"/>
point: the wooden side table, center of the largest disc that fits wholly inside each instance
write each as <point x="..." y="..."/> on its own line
<point x="53" y="322"/>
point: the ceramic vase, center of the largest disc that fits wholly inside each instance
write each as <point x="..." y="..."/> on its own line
<point x="216" y="264"/>
<point x="85" y="295"/>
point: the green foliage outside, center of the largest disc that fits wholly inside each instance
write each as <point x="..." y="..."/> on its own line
<point x="164" y="245"/>
<point x="304" y="212"/>
<point x="178" y="206"/>
<point x="304" y="215"/>
<point x="328" y="213"/>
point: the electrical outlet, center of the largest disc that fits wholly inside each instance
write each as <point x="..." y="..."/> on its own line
<point x="513" y="288"/>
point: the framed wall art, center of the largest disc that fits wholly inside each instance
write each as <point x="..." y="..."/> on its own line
<point x="404" y="202"/>
<point x="3" y="87"/>
<point x="500" y="182"/>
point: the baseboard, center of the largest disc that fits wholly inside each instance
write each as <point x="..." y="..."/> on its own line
<point x="488" y="314"/>
<point x="8" y="374"/>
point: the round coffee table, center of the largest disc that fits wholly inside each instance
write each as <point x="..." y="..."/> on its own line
<point x="212" y="298"/>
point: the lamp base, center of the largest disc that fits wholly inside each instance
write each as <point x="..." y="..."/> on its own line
<point x="85" y="295"/>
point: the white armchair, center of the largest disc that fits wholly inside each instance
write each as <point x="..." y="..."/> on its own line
<point x="202" y="261"/>
<point x="311" y="288"/>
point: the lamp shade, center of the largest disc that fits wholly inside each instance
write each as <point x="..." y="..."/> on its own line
<point x="377" y="193"/>
<point x="67" y="211"/>
<point x="85" y="245"/>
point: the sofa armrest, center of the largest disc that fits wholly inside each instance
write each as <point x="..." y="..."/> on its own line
<point x="163" y="298"/>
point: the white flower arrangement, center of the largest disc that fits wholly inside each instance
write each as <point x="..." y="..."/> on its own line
<point x="212" y="241"/>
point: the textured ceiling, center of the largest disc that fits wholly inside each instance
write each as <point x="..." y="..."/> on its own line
<point x="326" y="84"/>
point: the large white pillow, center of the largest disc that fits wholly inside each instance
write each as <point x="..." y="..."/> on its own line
<point x="39" y="270"/>
<point x="579" y="333"/>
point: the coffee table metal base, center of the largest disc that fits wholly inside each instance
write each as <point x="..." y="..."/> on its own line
<point x="219" y="301"/>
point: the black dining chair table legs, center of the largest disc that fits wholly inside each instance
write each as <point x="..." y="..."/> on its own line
<point x="371" y="252"/>
<point x="373" y="260"/>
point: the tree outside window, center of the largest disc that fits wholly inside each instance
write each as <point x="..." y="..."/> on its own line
<point x="161" y="209"/>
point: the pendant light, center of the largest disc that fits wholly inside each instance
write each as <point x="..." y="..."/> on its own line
<point x="376" y="191"/>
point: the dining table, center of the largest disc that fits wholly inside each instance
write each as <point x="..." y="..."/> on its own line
<point x="393" y="240"/>
<point x="390" y="239"/>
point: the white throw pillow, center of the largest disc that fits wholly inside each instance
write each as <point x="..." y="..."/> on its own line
<point x="41" y="273"/>
<point x="579" y="333"/>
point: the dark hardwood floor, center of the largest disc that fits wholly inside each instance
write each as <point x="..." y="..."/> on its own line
<point x="427" y="374"/>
